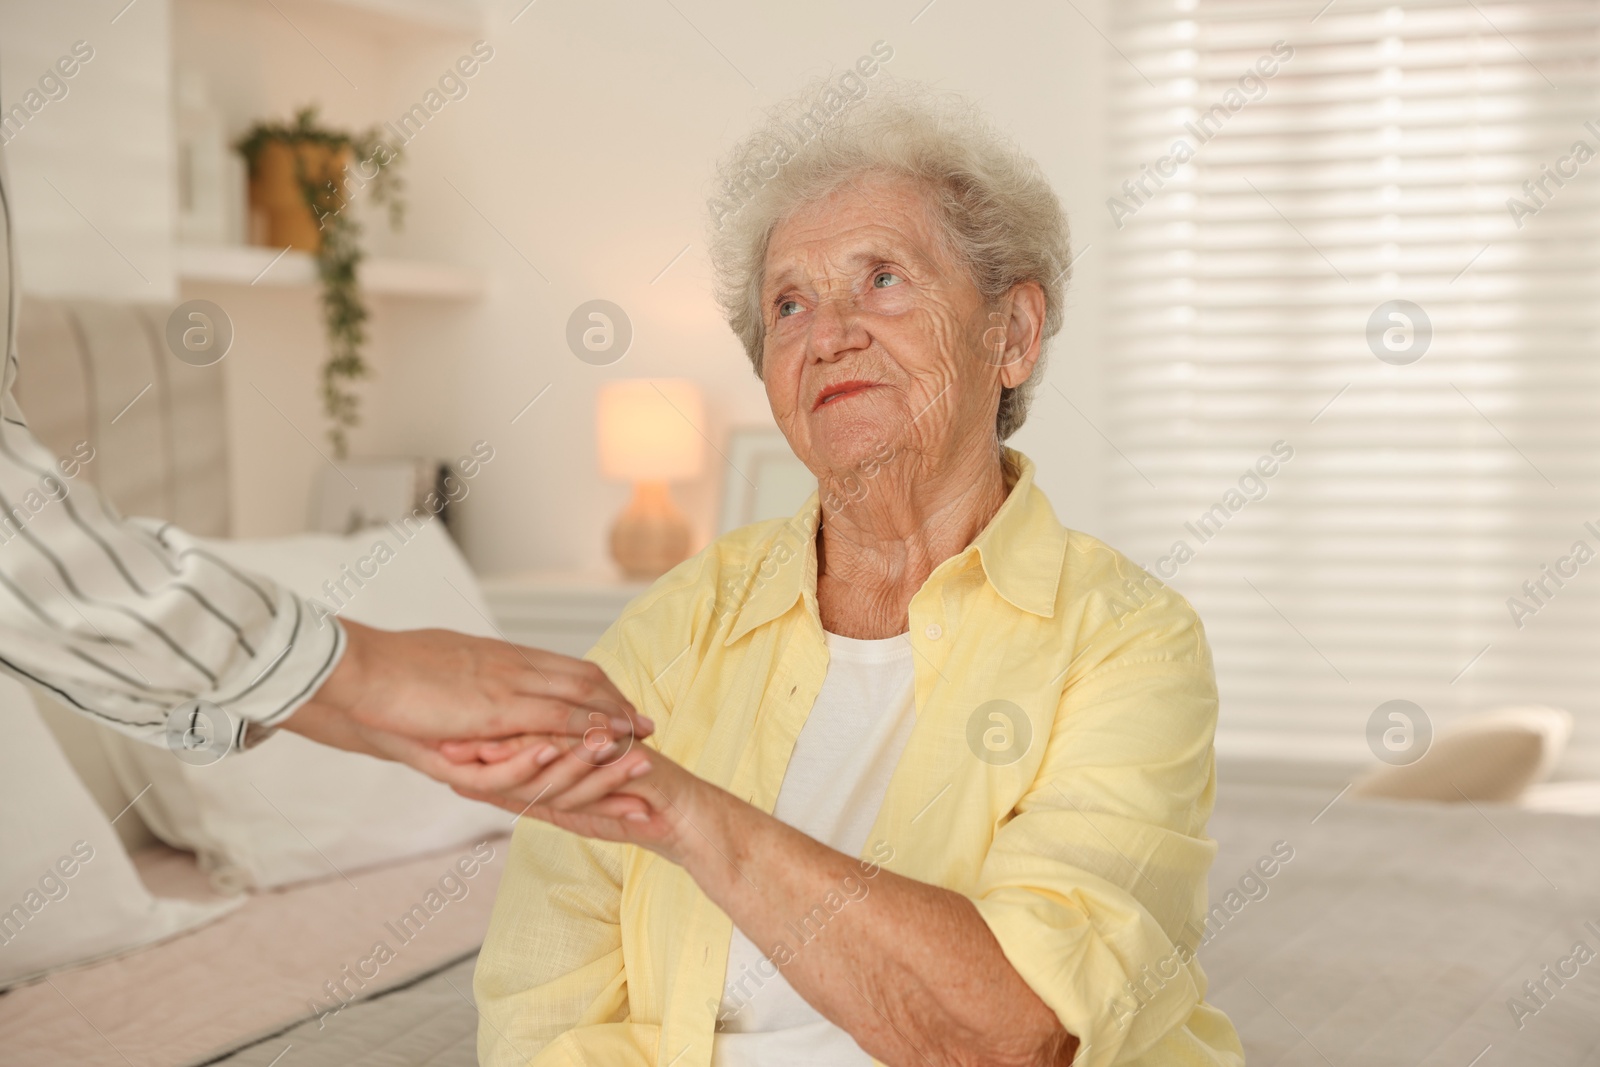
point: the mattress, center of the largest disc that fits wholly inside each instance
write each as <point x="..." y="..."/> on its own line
<point x="300" y="953"/>
<point x="429" y="1022"/>
<point x="1380" y="933"/>
<point x="1401" y="934"/>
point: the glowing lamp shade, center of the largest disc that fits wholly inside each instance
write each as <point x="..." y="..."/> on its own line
<point x="648" y="430"/>
<point x="649" y="435"/>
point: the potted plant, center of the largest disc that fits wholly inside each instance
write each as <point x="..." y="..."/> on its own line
<point x="303" y="178"/>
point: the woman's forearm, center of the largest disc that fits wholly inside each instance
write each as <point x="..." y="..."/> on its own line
<point x="910" y="970"/>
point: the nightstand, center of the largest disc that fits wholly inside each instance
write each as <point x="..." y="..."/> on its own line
<point x="563" y="611"/>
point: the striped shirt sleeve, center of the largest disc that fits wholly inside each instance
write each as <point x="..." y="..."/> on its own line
<point x="124" y="619"/>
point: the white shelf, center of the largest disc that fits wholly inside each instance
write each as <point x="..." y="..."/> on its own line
<point x="261" y="267"/>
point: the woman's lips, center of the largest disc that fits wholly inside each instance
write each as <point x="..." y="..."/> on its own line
<point x="850" y="389"/>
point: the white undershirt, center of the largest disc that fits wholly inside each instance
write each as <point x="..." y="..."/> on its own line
<point x="832" y="790"/>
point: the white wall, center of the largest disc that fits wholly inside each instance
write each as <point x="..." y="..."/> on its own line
<point x="91" y="171"/>
<point x="587" y="143"/>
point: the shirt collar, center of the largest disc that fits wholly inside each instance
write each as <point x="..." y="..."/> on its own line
<point x="1021" y="550"/>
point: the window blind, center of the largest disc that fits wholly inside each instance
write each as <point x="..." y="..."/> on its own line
<point x="1355" y="377"/>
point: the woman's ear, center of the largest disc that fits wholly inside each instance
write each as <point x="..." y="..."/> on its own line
<point x="1023" y="311"/>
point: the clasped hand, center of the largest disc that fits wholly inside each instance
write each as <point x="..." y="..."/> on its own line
<point x="534" y="732"/>
<point x="618" y="791"/>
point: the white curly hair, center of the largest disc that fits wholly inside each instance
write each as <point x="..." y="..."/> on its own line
<point x="995" y="209"/>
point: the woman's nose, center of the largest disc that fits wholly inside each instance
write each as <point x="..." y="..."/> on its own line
<point x="836" y="327"/>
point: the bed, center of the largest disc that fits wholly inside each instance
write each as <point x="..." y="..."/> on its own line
<point x="1387" y="933"/>
<point x="1395" y="935"/>
<point x="237" y="984"/>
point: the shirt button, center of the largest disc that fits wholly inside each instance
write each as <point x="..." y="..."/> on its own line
<point x="934" y="631"/>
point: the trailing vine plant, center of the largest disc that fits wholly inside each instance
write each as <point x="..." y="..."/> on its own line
<point x="372" y="171"/>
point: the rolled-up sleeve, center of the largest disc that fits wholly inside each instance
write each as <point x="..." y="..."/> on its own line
<point x="550" y="983"/>
<point x="1093" y="885"/>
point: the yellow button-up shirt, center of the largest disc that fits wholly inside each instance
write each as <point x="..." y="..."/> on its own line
<point x="1060" y="774"/>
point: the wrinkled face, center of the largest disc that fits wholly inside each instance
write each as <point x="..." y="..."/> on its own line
<point x="873" y="332"/>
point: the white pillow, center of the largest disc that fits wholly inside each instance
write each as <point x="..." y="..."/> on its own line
<point x="68" y="892"/>
<point x="1491" y="756"/>
<point x="290" y="809"/>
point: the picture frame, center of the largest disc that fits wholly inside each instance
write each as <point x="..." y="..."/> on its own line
<point x="389" y="491"/>
<point x="765" y="480"/>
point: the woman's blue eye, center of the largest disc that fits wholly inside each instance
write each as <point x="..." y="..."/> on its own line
<point x="787" y="303"/>
<point x="878" y="277"/>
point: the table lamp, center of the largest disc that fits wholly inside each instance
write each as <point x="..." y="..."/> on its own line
<point x="649" y="435"/>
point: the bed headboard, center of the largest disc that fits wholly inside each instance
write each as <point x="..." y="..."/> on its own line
<point x="100" y="372"/>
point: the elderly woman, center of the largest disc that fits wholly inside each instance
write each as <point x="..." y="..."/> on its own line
<point x="931" y="773"/>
